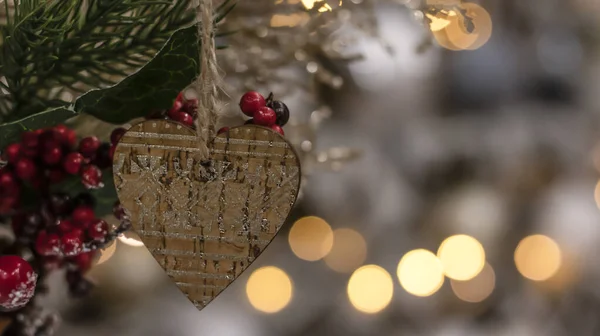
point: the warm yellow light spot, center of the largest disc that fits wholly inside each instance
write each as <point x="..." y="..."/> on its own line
<point x="477" y="289"/>
<point x="311" y="238"/>
<point x="420" y="273"/>
<point x="538" y="257"/>
<point x="289" y="20"/>
<point x="106" y="253"/>
<point x="462" y="257"/>
<point x="131" y="238"/>
<point x="597" y="194"/>
<point x="269" y="289"/>
<point x="458" y="33"/>
<point x="349" y="251"/>
<point x="309" y="4"/>
<point x="370" y="289"/>
<point x="439" y="21"/>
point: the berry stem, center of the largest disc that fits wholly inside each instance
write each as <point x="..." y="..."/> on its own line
<point x="270" y="98"/>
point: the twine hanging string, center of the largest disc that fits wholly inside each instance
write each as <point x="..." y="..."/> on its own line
<point x="207" y="84"/>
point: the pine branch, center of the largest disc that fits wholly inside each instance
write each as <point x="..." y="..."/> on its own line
<point x="78" y="45"/>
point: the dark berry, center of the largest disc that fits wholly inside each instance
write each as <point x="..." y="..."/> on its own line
<point x="50" y="138"/>
<point x="60" y="204"/>
<point x="64" y="225"/>
<point x="85" y="199"/>
<point x="277" y="129"/>
<point x="55" y="175"/>
<point x="83" y="261"/>
<point x="174" y="111"/>
<point x="79" y="286"/>
<point x="91" y="177"/>
<point x="97" y="230"/>
<point x="72" y="242"/>
<point x="8" y="182"/>
<point x="251" y="102"/>
<point x="17" y="282"/>
<point x="67" y="135"/>
<point x="116" y="135"/>
<point x="30" y="139"/>
<point x="88" y="146"/>
<point x="83" y="215"/>
<point x="191" y="107"/>
<point x="52" y="155"/>
<point x="222" y="130"/>
<point x="25" y="169"/>
<point x="281" y="110"/>
<point x="8" y="204"/>
<point x="17" y="221"/>
<point x="119" y="211"/>
<point x="47" y="244"/>
<point x="103" y="159"/>
<point x="13" y="152"/>
<point x="265" y="116"/>
<point x="72" y="163"/>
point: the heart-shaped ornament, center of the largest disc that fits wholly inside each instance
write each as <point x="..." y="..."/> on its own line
<point x="205" y="221"/>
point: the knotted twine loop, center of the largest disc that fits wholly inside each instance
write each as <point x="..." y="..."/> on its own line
<point x="207" y="84"/>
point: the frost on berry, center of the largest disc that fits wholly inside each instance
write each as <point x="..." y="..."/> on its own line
<point x="19" y="296"/>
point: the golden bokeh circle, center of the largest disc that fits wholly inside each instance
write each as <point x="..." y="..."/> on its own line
<point x="269" y="289"/>
<point x="420" y="273"/>
<point x="370" y="289"/>
<point x="462" y="257"/>
<point x="476" y="289"/>
<point x="349" y="251"/>
<point x="311" y="238"/>
<point x="538" y="257"/>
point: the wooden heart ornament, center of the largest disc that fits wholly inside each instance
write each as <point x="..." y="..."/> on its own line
<point x="205" y="221"/>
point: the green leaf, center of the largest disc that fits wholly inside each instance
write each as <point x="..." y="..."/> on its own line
<point x="105" y="197"/>
<point x="10" y="132"/>
<point x="155" y="86"/>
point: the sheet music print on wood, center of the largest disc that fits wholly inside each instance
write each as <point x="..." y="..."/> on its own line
<point x="205" y="224"/>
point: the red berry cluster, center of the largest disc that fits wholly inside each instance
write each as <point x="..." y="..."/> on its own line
<point x="17" y="282"/>
<point x="265" y="112"/>
<point x="45" y="157"/>
<point x="183" y="110"/>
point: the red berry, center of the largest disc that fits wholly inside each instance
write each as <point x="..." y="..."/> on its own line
<point x="13" y="152"/>
<point x="52" y="155"/>
<point x="91" y="177"/>
<point x="116" y="135"/>
<point x="184" y="118"/>
<point x="88" y="146"/>
<point x="277" y="129"/>
<point x="265" y="116"/>
<point x="72" y="242"/>
<point x="98" y="230"/>
<point x="191" y="106"/>
<point x="83" y="260"/>
<point x="47" y="244"/>
<point x="25" y="169"/>
<point x="49" y="138"/>
<point x="72" y="163"/>
<point x="174" y="111"/>
<point x="83" y="215"/>
<point x="30" y="139"/>
<point x="64" y="225"/>
<point x="66" y="135"/>
<point x="8" y="182"/>
<point x="251" y="102"/>
<point x="222" y="130"/>
<point x="17" y="282"/>
<point x="180" y="97"/>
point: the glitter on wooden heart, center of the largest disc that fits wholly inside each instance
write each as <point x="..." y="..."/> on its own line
<point x="205" y="222"/>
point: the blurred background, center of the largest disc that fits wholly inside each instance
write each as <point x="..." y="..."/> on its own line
<point x="451" y="177"/>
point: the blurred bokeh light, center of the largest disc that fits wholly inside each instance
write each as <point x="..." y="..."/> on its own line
<point x="269" y="289"/>
<point x="462" y="257"/>
<point x="311" y="238"/>
<point x="370" y="289"/>
<point x="538" y="257"/>
<point x="420" y="273"/>
<point x="476" y="289"/>
<point x="349" y="251"/>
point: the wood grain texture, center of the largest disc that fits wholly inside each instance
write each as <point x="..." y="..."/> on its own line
<point x="205" y="222"/>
